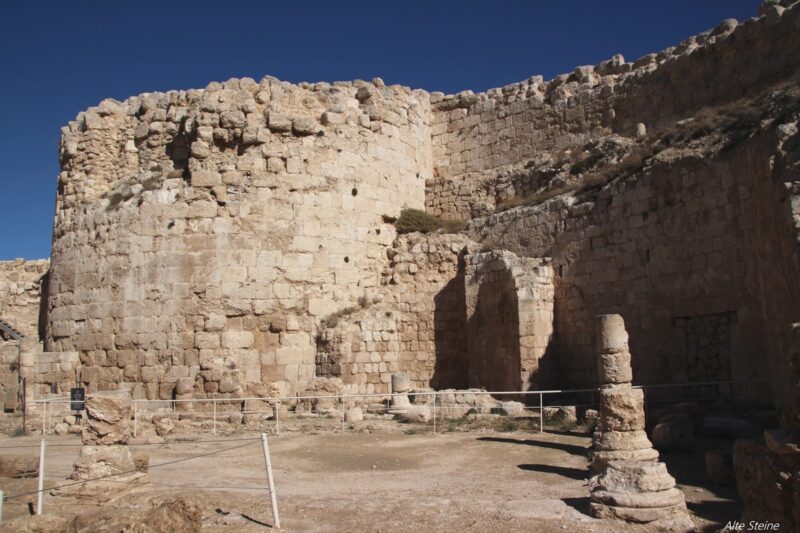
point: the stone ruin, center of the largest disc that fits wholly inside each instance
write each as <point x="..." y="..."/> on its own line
<point x="106" y="465"/>
<point x="241" y="240"/>
<point x="631" y="483"/>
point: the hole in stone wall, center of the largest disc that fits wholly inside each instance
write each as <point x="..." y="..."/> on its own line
<point x="354" y="192"/>
<point x="378" y="231"/>
<point x="346" y="259"/>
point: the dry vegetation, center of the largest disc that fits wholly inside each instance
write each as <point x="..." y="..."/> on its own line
<point x="711" y="130"/>
<point x="417" y="220"/>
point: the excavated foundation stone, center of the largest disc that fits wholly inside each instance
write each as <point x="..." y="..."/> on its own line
<point x="105" y="463"/>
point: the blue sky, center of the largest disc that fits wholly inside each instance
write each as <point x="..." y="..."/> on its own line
<point x="60" y="57"/>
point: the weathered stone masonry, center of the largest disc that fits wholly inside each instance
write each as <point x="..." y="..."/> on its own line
<point x="239" y="238"/>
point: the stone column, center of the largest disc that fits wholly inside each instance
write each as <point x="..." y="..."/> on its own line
<point x="401" y="384"/>
<point x="620" y="433"/>
<point x="105" y="453"/>
<point x="632" y="485"/>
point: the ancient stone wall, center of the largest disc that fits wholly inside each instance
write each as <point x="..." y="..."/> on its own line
<point x="210" y="241"/>
<point x="202" y="235"/>
<point x="9" y="375"/>
<point x="21" y="292"/>
<point x="482" y="142"/>
<point x="415" y="324"/>
<point x="684" y="243"/>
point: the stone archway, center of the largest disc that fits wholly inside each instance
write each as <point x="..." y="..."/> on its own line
<point x="509" y="321"/>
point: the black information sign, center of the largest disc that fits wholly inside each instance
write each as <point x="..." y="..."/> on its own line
<point x="76" y="397"/>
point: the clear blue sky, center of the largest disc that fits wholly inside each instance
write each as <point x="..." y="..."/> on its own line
<point x="60" y="57"/>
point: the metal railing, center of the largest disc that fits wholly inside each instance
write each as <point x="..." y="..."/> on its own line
<point x="433" y="399"/>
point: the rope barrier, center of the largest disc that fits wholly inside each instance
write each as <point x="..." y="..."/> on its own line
<point x="166" y="463"/>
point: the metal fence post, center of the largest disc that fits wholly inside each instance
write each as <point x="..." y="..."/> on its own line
<point x="278" y="418"/>
<point x="44" y="416"/>
<point x="343" y="412"/>
<point x="271" y="482"/>
<point x="541" y="414"/>
<point x="40" y="500"/>
<point x="434" y="412"/>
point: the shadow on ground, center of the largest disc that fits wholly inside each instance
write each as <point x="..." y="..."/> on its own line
<point x="572" y="473"/>
<point x="579" y="504"/>
<point x="569" y="448"/>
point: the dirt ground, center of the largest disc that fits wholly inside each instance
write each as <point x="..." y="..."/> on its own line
<point x="358" y="481"/>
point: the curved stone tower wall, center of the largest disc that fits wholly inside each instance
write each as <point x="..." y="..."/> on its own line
<point x="201" y="236"/>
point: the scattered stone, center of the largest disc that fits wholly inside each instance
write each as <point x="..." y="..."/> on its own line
<point x="104" y="453"/>
<point x="417" y="413"/>
<point x="565" y="414"/>
<point x="354" y="415"/>
<point x="108" y="418"/>
<point x="513" y="409"/>
<point x="164" y="425"/>
<point x="674" y="435"/>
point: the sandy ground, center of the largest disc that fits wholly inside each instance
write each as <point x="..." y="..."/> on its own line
<point x="386" y="481"/>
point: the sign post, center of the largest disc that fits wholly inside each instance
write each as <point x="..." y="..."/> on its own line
<point x="77" y="395"/>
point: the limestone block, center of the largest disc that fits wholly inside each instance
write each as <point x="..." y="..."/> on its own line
<point x="215" y="322"/>
<point x="205" y="178"/>
<point x="615" y="368"/>
<point x="108" y="418"/>
<point x="512" y="408"/>
<point x="184" y="385"/>
<point x="331" y="118"/>
<point x="354" y="415"/>
<point x="417" y="413"/>
<point x="639" y="500"/>
<point x="304" y="126"/>
<point x="164" y="425"/>
<point x="621" y="409"/>
<point x="674" y="435"/>
<point x="204" y="339"/>
<point x="636" y="476"/>
<point x="227" y="384"/>
<point x="601" y="458"/>
<point x="100" y="461"/>
<point x="401" y="382"/>
<point x="279" y="122"/>
<point x="237" y="339"/>
<point x="276" y="164"/>
<point x="232" y="119"/>
<point x="565" y="414"/>
<point x="672" y="518"/>
<point x="611" y="336"/>
<point x="621" y="440"/>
